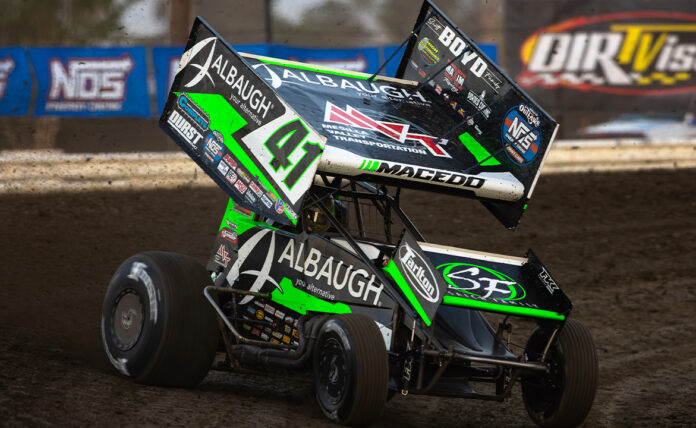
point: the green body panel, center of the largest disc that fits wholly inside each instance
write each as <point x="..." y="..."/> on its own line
<point x="301" y="302"/>
<point x="394" y="273"/>
<point x="480" y="153"/>
<point x="225" y="119"/>
<point x="242" y="221"/>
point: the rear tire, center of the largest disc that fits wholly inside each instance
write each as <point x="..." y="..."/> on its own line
<point x="351" y="369"/>
<point x="157" y="327"/>
<point x="563" y="397"/>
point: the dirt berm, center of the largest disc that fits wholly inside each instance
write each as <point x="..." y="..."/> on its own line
<point x="621" y="245"/>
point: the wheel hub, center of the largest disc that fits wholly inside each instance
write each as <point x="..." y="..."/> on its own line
<point x="127" y="320"/>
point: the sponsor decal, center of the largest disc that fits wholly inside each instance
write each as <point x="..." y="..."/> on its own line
<point x="287" y="329"/>
<point x="333" y="272"/>
<point x="241" y="187"/>
<point x="278" y="206"/>
<point x="266" y="201"/>
<point x="455" y="77"/>
<point x="398" y="132"/>
<point x="246" y="326"/>
<point x="254" y="188"/>
<point x="295" y="333"/>
<point x="240" y="87"/>
<point x="434" y="24"/>
<point x="480" y="281"/>
<point x="193" y="111"/>
<point x="243" y="175"/>
<point x="270" y="309"/>
<point x="286" y="339"/>
<point x="259" y="304"/>
<point x="260" y="314"/>
<point x="213" y="146"/>
<point x="263" y="274"/>
<point x="289" y="319"/>
<point x="255" y="331"/>
<point x="625" y="53"/>
<point x="362" y="87"/>
<point x="229" y="235"/>
<point x="478" y="102"/>
<point x="231" y="162"/>
<point x="548" y="281"/>
<point x="231" y="177"/>
<point x="88" y="84"/>
<point x="415" y="172"/>
<point x="264" y="336"/>
<point x="520" y="137"/>
<point x="250" y="198"/>
<point x="223" y="167"/>
<point x="251" y="310"/>
<point x="222" y="256"/>
<point x="277" y="335"/>
<point x="418" y="273"/>
<point x="457" y="45"/>
<point x="184" y="128"/>
<point x="492" y="80"/>
<point x="7" y="64"/>
<point x="280" y="314"/>
<point x="274" y="340"/>
<point x="428" y="51"/>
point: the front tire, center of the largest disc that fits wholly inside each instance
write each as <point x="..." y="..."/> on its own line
<point x="351" y="369"/>
<point x="157" y="327"/>
<point x="563" y="397"/>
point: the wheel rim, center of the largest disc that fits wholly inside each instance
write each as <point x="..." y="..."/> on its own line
<point x="127" y="319"/>
<point x="333" y="372"/>
<point x="543" y="393"/>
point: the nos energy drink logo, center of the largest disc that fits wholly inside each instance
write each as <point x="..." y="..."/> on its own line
<point x="628" y="53"/>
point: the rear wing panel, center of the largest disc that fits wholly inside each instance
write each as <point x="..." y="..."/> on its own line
<point x="507" y="122"/>
<point x="238" y="130"/>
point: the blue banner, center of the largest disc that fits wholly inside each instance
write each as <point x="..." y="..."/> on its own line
<point x="91" y="82"/>
<point x="15" y="81"/>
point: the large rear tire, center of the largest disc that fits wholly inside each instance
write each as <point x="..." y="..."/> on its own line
<point x="157" y="327"/>
<point x="351" y="369"/>
<point x="563" y="397"/>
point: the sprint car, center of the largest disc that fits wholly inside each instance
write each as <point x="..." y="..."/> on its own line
<point x="316" y="266"/>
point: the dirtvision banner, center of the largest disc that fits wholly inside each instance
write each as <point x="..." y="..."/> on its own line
<point x="15" y="81"/>
<point x="616" y="57"/>
<point x="245" y="137"/>
<point x="94" y="82"/>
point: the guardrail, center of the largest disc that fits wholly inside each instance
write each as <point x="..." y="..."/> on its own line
<point x="50" y="171"/>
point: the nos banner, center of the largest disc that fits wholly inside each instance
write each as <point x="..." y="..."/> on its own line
<point x="95" y="82"/>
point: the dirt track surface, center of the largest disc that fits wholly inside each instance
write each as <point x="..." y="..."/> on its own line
<point x="621" y="245"/>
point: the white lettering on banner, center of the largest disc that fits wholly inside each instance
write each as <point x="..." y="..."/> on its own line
<point x="627" y="53"/>
<point x="6" y="66"/>
<point x="89" y="79"/>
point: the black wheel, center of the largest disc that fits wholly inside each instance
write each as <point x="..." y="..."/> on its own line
<point x="563" y="397"/>
<point x="157" y="327"/>
<point x="351" y="369"/>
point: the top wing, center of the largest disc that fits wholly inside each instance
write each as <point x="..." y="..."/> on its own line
<point x="240" y="132"/>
